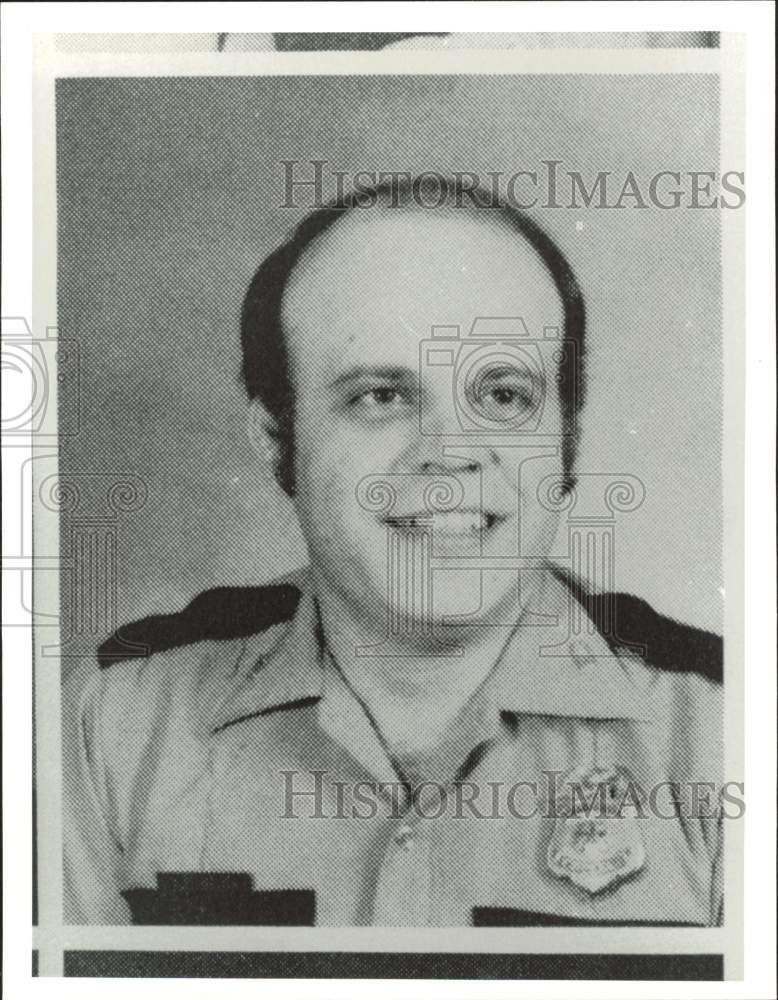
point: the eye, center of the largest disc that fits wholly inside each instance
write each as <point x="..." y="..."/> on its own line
<point x="504" y="393"/>
<point x="381" y="396"/>
<point x="380" y="402"/>
<point x="507" y="394"/>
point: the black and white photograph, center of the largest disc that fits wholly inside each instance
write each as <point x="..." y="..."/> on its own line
<point x="387" y="466"/>
<point x="396" y="399"/>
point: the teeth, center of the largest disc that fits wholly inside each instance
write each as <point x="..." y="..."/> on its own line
<point x="450" y="523"/>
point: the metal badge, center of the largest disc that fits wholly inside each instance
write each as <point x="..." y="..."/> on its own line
<point x="596" y="840"/>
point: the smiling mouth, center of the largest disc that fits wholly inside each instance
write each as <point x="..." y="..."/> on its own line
<point x="456" y="523"/>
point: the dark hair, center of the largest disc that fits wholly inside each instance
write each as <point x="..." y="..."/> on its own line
<point x="265" y="367"/>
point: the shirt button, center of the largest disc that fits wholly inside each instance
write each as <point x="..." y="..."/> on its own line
<point x="404" y="838"/>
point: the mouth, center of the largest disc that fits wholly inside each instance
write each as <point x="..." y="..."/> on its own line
<point x="453" y="523"/>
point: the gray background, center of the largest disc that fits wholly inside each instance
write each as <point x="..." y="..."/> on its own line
<point x="170" y="193"/>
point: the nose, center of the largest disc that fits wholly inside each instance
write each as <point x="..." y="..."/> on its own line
<point x="435" y="456"/>
<point x="441" y="448"/>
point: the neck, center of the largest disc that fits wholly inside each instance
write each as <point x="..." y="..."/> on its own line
<point x="414" y="691"/>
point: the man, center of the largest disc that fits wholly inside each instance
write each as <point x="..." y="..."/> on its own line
<point x="411" y="732"/>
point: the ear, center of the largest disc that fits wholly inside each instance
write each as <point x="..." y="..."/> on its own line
<point x="265" y="437"/>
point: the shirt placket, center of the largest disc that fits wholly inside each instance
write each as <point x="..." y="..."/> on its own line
<point x="405" y="874"/>
<point x="403" y="879"/>
<point x="403" y="893"/>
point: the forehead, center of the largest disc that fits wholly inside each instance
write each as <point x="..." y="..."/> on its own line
<point x="371" y="288"/>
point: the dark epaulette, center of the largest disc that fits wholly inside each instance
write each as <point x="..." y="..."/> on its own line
<point x="232" y="612"/>
<point x="626" y="621"/>
<point x="221" y="613"/>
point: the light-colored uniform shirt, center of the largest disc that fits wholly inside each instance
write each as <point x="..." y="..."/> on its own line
<point x="252" y="756"/>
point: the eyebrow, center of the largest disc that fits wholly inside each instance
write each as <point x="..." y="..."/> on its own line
<point x="393" y="373"/>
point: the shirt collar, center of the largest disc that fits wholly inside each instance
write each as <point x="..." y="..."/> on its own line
<point x="543" y="670"/>
<point x="277" y="668"/>
<point x="564" y="666"/>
